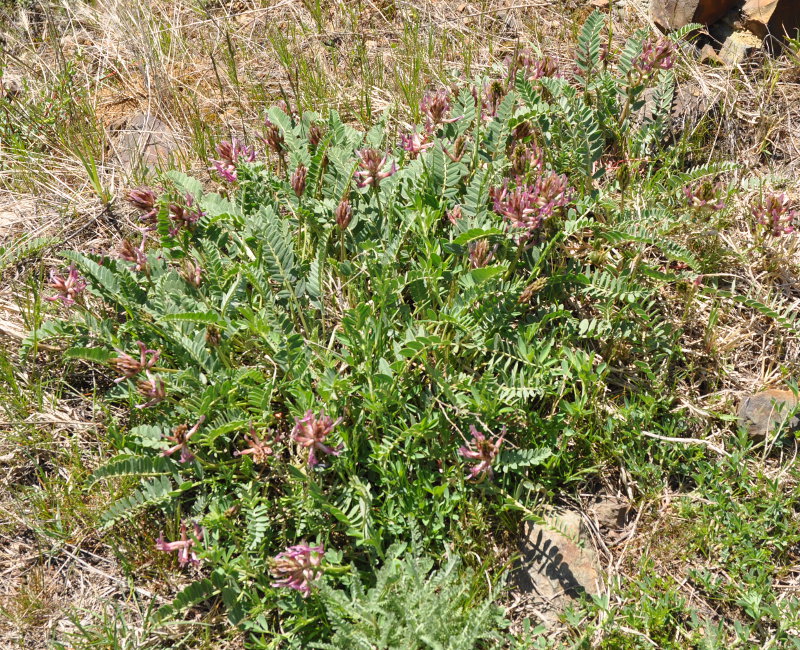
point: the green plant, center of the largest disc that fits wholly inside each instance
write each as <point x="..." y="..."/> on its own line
<point x="304" y="352"/>
<point x="411" y="605"/>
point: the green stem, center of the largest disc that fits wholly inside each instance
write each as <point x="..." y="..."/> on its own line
<point x="515" y="261"/>
<point x="377" y="194"/>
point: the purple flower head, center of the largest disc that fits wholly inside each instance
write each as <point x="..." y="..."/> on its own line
<point x="136" y="256"/>
<point x="527" y="206"/>
<point x="145" y="199"/>
<point x="480" y="253"/>
<point x="152" y="388"/>
<point x="552" y="192"/>
<point x="704" y="196"/>
<point x="454" y="215"/>
<point x="180" y="439"/>
<point x="273" y="138"/>
<point x="415" y="143"/>
<point x="298" y="180"/>
<point x="315" y="135"/>
<point x="259" y="449"/>
<point x="372" y="164"/>
<point x="533" y="67"/>
<point x="184" y="215"/>
<point x="527" y="159"/>
<point x="544" y="67"/>
<point x="458" y="150"/>
<point x="130" y="367"/>
<point x="230" y="155"/>
<point x="310" y="432"/>
<point x="344" y="213"/>
<point x="297" y="567"/>
<point x="435" y="106"/>
<point x="656" y="55"/>
<point x="192" y="273"/>
<point x="773" y="213"/>
<point x="184" y="546"/>
<point x="68" y="287"/>
<point x="483" y="450"/>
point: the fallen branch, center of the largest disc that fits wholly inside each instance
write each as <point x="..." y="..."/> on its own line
<point x="688" y="441"/>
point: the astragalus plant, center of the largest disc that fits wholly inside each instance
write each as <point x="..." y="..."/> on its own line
<point x="361" y="339"/>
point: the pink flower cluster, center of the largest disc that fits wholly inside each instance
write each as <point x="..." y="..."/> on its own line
<point x="259" y="449"/>
<point x="184" y="546"/>
<point x="435" y="107"/>
<point x="297" y="567"/>
<point x="527" y="206"/>
<point x="231" y="154"/>
<point x="68" y="288"/>
<point x="343" y="214"/>
<point x="483" y="450"/>
<point x="493" y="94"/>
<point x="145" y="199"/>
<point x="273" y="138"/>
<point x="310" y="432"/>
<point x="133" y="254"/>
<point x="192" y="273"/>
<point x="656" y="55"/>
<point x="298" y="180"/>
<point x="480" y="253"/>
<point x="773" y="213"/>
<point x="705" y="196"/>
<point x="527" y="159"/>
<point x="533" y="67"/>
<point x="153" y="389"/>
<point x="180" y="439"/>
<point x="415" y="143"/>
<point x="185" y="215"/>
<point x="373" y="168"/>
<point x="130" y="367"/>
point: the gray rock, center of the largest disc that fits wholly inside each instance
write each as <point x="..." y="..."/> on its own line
<point x="558" y="564"/>
<point x="142" y="140"/>
<point x="10" y="85"/>
<point x="772" y="19"/>
<point x="611" y="512"/>
<point x="709" y="55"/>
<point x="672" y="14"/>
<point x="763" y="412"/>
<point x="738" y="46"/>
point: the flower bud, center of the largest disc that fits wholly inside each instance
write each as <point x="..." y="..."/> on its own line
<point x="315" y="135"/>
<point x="299" y="180"/>
<point x="344" y="212"/>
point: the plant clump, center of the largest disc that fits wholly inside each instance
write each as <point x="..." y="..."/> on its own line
<point x="489" y="266"/>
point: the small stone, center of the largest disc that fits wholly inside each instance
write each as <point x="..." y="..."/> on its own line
<point x="611" y="512"/>
<point x="10" y="86"/>
<point x="763" y="412"/>
<point x="600" y="4"/>
<point x="142" y="140"/>
<point x="738" y="46"/>
<point x="709" y="55"/>
<point x="558" y="564"/>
